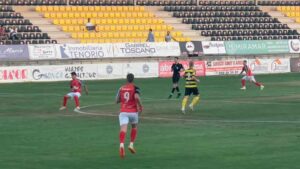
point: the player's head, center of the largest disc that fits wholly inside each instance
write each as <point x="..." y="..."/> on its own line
<point x="74" y="75"/>
<point x="150" y="30"/>
<point x="130" y="77"/>
<point x="245" y="62"/>
<point x="89" y="19"/>
<point x="176" y="59"/>
<point x="168" y="32"/>
<point x="191" y="64"/>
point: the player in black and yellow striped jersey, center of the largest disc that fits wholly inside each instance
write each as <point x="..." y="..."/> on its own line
<point x="191" y="87"/>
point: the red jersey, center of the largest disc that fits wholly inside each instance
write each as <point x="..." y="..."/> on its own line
<point x="126" y="95"/>
<point x="247" y="70"/>
<point x="77" y="84"/>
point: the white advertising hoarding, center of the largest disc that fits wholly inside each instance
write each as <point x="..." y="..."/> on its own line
<point x="213" y="47"/>
<point x="159" y="49"/>
<point x="41" y="52"/>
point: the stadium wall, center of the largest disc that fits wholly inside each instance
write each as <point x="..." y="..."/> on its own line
<point x="40" y="63"/>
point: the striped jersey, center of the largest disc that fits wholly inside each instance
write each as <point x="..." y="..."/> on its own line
<point x="189" y="76"/>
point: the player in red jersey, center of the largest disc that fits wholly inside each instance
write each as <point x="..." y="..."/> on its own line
<point x="249" y="76"/>
<point x="129" y="97"/>
<point x="75" y="93"/>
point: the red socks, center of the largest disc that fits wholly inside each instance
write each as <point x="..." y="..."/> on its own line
<point x="243" y="82"/>
<point x="76" y="101"/>
<point x="65" y="100"/>
<point x="133" y="134"/>
<point x="122" y="136"/>
<point x="257" y="84"/>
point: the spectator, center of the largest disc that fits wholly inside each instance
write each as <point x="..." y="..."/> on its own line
<point x="150" y="36"/>
<point x="90" y="26"/>
<point x="168" y="37"/>
<point x="2" y="32"/>
<point x="13" y="33"/>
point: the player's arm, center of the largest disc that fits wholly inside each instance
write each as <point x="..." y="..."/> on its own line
<point x="138" y="102"/>
<point x="242" y="71"/>
<point x="194" y="77"/>
<point x="118" y="98"/>
<point x="138" y="99"/>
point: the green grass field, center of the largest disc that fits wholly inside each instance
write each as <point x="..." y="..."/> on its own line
<point x="230" y="129"/>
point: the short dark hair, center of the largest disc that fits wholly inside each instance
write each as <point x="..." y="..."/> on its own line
<point x="150" y="29"/>
<point x="73" y="73"/>
<point x="245" y="61"/>
<point x="176" y="58"/>
<point x="130" y="77"/>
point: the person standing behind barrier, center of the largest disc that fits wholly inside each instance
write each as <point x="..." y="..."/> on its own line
<point x="90" y="26"/>
<point x="150" y="37"/>
<point x="2" y="32"/>
<point x="168" y="37"/>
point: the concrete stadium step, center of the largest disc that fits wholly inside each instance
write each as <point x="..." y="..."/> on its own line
<point x="186" y="29"/>
<point x="54" y="31"/>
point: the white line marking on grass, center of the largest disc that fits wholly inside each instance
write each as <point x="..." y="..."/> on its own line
<point x="193" y="120"/>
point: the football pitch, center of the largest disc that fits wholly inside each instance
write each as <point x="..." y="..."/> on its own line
<point x="229" y="129"/>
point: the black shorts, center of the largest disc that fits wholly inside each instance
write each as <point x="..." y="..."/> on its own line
<point x="189" y="91"/>
<point x="175" y="79"/>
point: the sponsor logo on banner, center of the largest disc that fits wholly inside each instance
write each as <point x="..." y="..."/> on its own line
<point x="141" y="69"/>
<point x="213" y="47"/>
<point x="270" y="65"/>
<point x="85" y="51"/>
<point x="14" y="53"/>
<point x="146" y="49"/>
<point x="294" y="46"/>
<point x="37" y="52"/>
<point x="224" y="67"/>
<point x="165" y="68"/>
<point x="193" y="48"/>
<point x="295" y="64"/>
<point x="14" y="74"/>
<point x="63" y="72"/>
<point x="256" y="47"/>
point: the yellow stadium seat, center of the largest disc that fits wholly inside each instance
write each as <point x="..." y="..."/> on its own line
<point x="134" y="15"/>
<point x="94" y="15"/>
<point x="135" y="27"/>
<point x="297" y="8"/>
<point x="86" y="35"/>
<point x="130" y="27"/>
<point x="79" y="9"/>
<point x="108" y="9"/>
<point x="97" y="8"/>
<point x="65" y="15"/>
<point x="74" y="21"/>
<point x="77" y="15"/>
<point x="68" y="9"/>
<point x="107" y="28"/>
<point x="56" y="22"/>
<point x="56" y="9"/>
<point x="114" y="9"/>
<point x="132" y="21"/>
<point x="85" y="9"/>
<point x="59" y="15"/>
<point x="50" y="8"/>
<point x="74" y="35"/>
<point x="74" y="8"/>
<point x="278" y="8"/>
<point x="113" y="28"/>
<point x="38" y="9"/>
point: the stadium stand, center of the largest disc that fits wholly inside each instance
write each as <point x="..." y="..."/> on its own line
<point x="26" y="32"/>
<point x="114" y="23"/>
<point x="130" y="20"/>
<point x="232" y="20"/>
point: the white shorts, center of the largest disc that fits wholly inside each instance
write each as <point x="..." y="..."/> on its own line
<point x="72" y="94"/>
<point x="126" y="118"/>
<point x="249" y="78"/>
